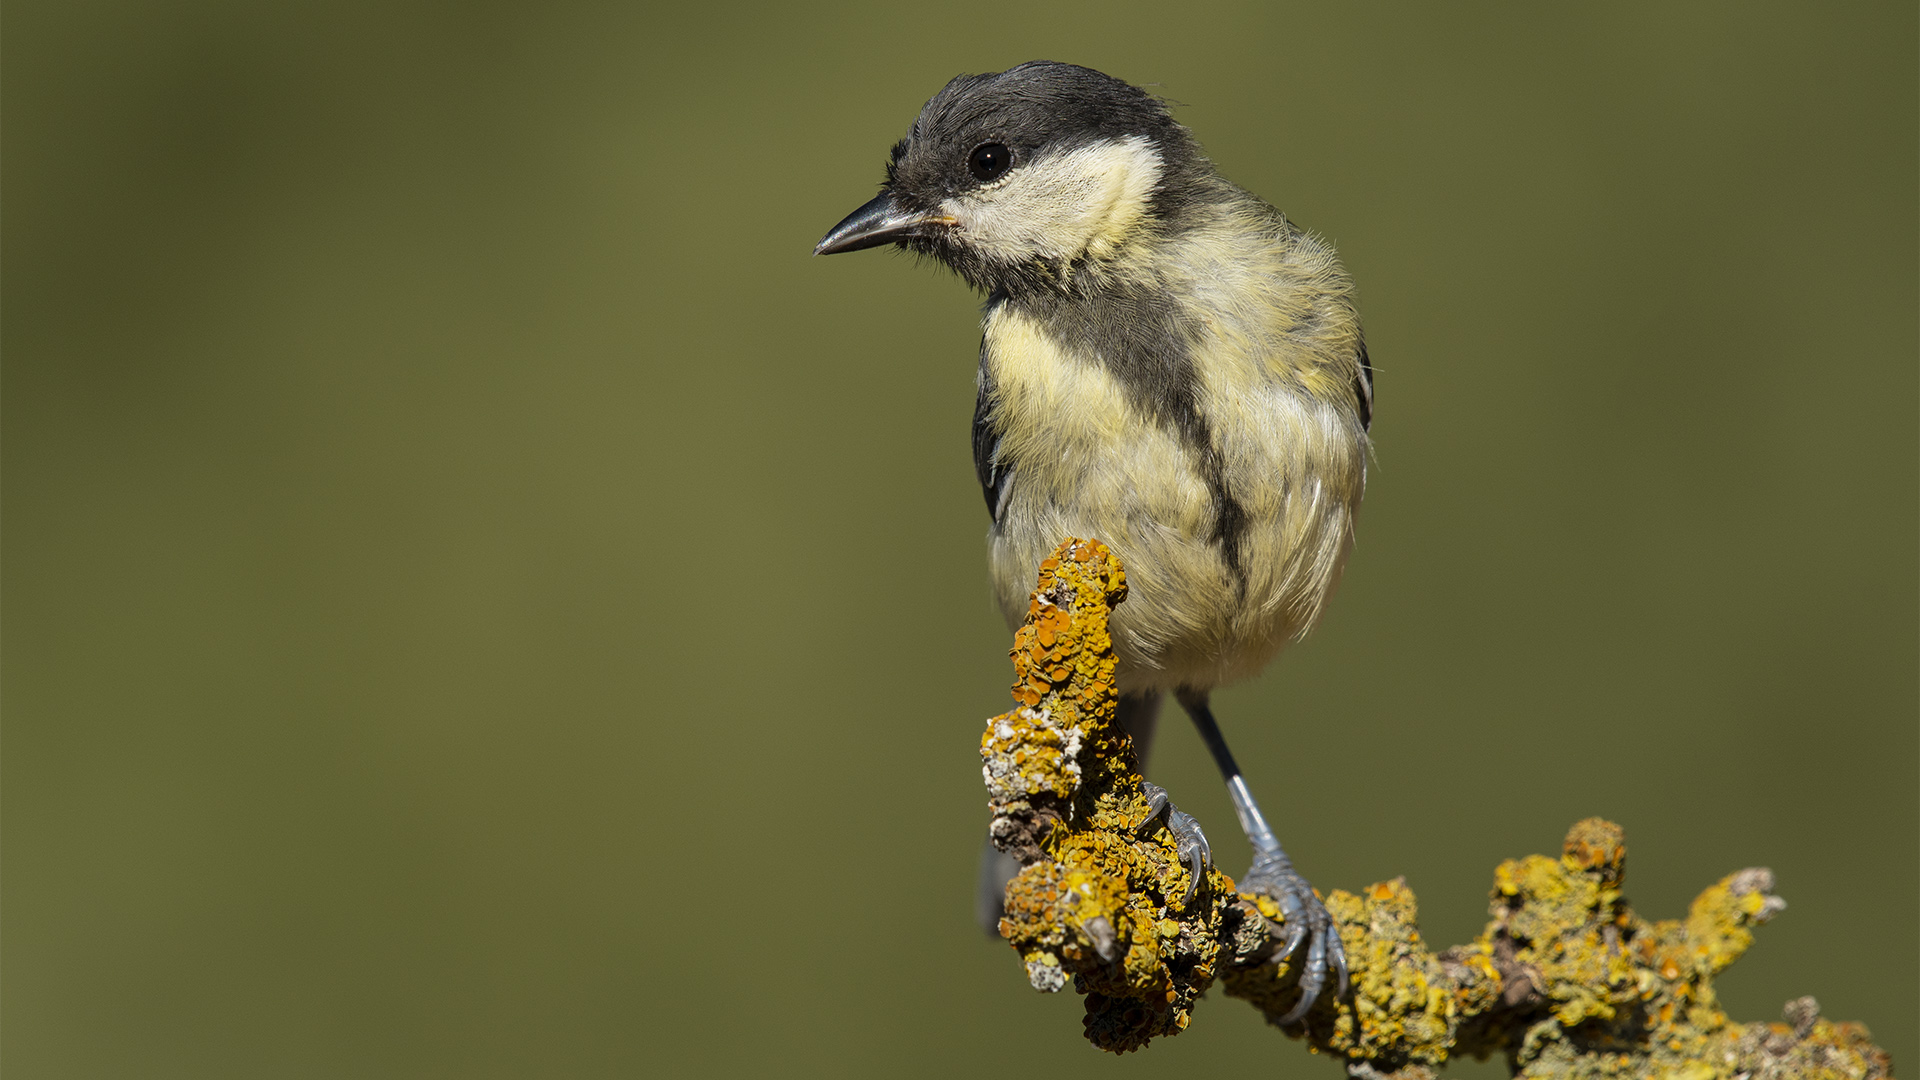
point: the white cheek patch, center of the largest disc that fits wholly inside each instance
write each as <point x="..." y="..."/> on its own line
<point x="1062" y="205"/>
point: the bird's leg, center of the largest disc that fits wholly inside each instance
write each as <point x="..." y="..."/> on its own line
<point x="1138" y="715"/>
<point x="1188" y="841"/>
<point x="1272" y="873"/>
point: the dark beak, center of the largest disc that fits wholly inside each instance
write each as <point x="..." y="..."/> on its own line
<point x="881" y="221"/>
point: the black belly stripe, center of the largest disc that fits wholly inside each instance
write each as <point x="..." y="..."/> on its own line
<point x="1229" y="516"/>
<point x="1137" y="336"/>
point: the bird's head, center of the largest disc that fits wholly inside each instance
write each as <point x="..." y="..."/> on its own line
<point x="1025" y="176"/>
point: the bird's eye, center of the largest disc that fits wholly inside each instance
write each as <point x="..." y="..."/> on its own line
<point x="989" y="160"/>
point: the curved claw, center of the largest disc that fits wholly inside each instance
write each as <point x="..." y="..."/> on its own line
<point x="1157" y="800"/>
<point x="1188" y="840"/>
<point x="1309" y="923"/>
<point x="1193" y="848"/>
<point x="1339" y="954"/>
<point x="1311" y="980"/>
<point x="1296" y="935"/>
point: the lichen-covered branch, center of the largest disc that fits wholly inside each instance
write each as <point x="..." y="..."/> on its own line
<point x="1566" y="980"/>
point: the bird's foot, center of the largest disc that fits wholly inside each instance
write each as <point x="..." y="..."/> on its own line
<point x="1188" y="840"/>
<point x="1307" y="923"/>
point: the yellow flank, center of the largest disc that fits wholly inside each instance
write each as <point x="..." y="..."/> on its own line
<point x="1276" y="302"/>
<point x="1565" y="981"/>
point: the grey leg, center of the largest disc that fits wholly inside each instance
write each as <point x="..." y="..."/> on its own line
<point x="1272" y="873"/>
<point x="1188" y="841"/>
<point x="1140" y="715"/>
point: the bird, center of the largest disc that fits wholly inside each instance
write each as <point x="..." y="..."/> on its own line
<point x="1168" y="364"/>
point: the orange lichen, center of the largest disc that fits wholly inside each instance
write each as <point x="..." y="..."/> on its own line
<point x="1566" y="980"/>
<point x="1100" y="895"/>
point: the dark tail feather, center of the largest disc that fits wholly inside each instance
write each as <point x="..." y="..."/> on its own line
<point x="1139" y="715"/>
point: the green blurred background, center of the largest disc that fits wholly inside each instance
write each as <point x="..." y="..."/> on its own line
<point x="445" y="503"/>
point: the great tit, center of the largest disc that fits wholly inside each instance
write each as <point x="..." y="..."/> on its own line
<point x="1168" y="365"/>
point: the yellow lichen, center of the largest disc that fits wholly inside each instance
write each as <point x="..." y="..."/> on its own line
<point x="1100" y="897"/>
<point x="1566" y="980"/>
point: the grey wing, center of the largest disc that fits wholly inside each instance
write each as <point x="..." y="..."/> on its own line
<point x="987" y="467"/>
<point x="1362" y="390"/>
